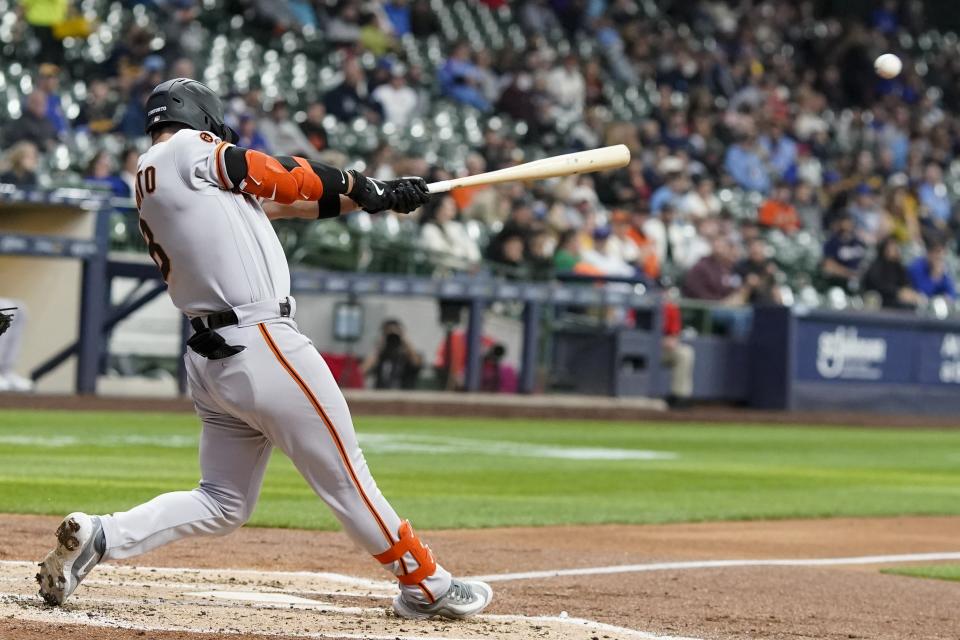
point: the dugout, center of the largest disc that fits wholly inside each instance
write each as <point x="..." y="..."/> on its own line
<point x="626" y="362"/>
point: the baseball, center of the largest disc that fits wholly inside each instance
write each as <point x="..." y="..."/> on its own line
<point x="888" y="66"/>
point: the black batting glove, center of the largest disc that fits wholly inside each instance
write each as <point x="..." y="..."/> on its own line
<point x="410" y="193"/>
<point x="402" y="195"/>
<point x="370" y="195"/>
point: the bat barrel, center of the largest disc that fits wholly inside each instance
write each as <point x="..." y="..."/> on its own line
<point x="601" y="159"/>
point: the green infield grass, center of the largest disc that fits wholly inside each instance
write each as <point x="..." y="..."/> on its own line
<point x="937" y="571"/>
<point x="446" y="473"/>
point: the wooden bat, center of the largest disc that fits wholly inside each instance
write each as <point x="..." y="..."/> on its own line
<point x="568" y="164"/>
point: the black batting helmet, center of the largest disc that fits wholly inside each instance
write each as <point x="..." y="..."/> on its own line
<point x="187" y="102"/>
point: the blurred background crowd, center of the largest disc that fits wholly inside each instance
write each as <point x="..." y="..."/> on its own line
<point x="771" y="164"/>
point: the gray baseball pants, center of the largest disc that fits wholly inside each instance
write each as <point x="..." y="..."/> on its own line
<point x="277" y="392"/>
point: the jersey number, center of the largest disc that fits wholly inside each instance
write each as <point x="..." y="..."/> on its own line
<point x="156" y="251"/>
<point x="146" y="183"/>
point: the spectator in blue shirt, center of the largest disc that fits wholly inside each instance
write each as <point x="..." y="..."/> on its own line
<point x="843" y="254"/>
<point x="101" y="174"/>
<point x="669" y="193"/>
<point x="48" y="81"/>
<point x="868" y="215"/>
<point x="302" y="11"/>
<point x="459" y="78"/>
<point x="399" y="13"/>
<point x="929" y="273"/>
<point x="250" y="136"/>
<point x="746" y="166"/>
<point x="884" y="17"/>
<point x="933" y="195"/>
<point x="782" y="153"/>
<point x="350" y="99"/>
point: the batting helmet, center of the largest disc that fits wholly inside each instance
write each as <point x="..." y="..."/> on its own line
<point x="187" y="102"/>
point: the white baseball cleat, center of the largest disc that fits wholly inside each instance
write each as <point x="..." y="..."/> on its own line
<point x="18" y="383"/>
<point x="80" y="545"/>
<point x="465" y="598"/>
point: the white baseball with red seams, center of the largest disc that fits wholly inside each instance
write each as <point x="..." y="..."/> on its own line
<point x="218" y="251"/>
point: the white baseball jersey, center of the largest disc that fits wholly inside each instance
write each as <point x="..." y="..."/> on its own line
<point x="215" y="248"/>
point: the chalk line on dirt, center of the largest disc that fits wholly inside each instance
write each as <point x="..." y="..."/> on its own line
<point x="720" y="564"/>
<point x="249" y="574"/>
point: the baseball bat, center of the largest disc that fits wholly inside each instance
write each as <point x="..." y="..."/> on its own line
<point x="568" y="164"/>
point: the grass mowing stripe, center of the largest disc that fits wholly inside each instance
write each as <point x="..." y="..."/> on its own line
<point x="720" y="472"/>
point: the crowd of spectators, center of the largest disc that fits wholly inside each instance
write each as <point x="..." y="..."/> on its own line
<point x="773" y="99"/>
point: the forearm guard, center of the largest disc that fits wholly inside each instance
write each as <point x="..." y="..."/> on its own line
<point x="283" y="179"/>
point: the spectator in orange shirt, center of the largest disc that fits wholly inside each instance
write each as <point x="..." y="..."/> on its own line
<point x="453" y="375"/>
<point x="648" y="260"/>
<point x="777" y="212"/>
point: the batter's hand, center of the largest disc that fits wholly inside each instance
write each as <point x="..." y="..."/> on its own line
<point x="402" y="195"/>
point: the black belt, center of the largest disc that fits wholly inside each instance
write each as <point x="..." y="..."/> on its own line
<point x="229" y="318"/>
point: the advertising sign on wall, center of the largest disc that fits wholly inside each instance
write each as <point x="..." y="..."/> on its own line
<point x="939" y="358"/>
<point x="854" y="353"/>
<point x="884" y="362"/>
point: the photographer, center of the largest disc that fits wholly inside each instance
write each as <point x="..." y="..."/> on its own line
<point x="759" y="273"/>
<point x="394" y="364"/>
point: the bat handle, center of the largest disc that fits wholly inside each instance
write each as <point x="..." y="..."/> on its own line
<point x="440" y="187"/>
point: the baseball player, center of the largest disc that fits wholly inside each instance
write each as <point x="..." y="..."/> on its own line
<point x="256" y="381"/>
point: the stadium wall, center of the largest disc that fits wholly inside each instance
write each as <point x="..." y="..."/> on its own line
<point x="796" y="359"/>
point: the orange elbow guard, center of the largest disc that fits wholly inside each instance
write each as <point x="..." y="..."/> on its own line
<point x="268" y="178"/>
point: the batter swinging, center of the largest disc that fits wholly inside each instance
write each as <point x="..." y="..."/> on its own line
<point x="257" y="382"/>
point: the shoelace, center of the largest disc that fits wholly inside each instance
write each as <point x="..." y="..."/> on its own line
<point x="460" y="592"/>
